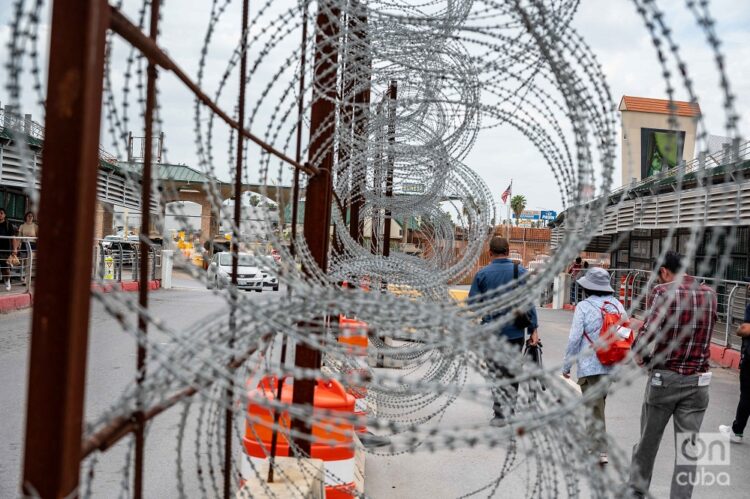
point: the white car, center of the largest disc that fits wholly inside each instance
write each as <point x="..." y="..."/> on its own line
<point x="267" y="265"/>
<point x="219" y="273"/>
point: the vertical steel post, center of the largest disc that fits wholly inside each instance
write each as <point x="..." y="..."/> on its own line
<point x="729" y="316"/>
<point x="392" y="89"/>
<point x="317" y="217"/>
<point x="348" y="80"/>
<point x="377" y="181"/>
<point x="360" y="116"/>
<point x="228" y="411"/>
<point x="295" y="200"/>
<point x="146" y="178"/>
<point x="60" y="321"/>
<point x="300" y="110"/>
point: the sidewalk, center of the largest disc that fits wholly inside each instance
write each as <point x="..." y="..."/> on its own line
<point x="18" y="298"/>
<point x="15" y="299"/>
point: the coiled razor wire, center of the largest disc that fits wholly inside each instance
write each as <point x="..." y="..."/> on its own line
<point x="461" y="68"/>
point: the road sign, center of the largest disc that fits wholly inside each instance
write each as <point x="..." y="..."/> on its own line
<point x="528" y="215"/>
<point x="412" y="188"/>
<point x="548" y="215"/>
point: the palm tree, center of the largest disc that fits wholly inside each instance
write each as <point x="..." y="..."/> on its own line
<point x="518" y="204"/>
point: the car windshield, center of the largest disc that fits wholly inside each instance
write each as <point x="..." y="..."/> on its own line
<point x="225" y="260"/>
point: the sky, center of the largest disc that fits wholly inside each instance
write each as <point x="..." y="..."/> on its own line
<point x="612" y="29"/>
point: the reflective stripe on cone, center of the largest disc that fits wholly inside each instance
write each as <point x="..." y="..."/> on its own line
<point x="339" y="476"/>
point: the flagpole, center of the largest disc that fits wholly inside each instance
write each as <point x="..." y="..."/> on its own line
<point x="510" y="197"/>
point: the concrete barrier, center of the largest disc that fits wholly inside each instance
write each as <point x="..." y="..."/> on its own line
<point x="561" y="291"/>
<point x="167" y="262"/>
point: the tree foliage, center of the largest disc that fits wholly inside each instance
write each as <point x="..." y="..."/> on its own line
<point x="518" y="204"/>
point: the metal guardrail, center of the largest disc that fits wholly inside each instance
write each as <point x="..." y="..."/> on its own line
<point x="124" y="257"/>
<point x="632" y="287"/>
<point x="125" y="260"/>
<point x="704" y="161"/>
<point x="25" y="125"/>
<point x="23" y="272"/>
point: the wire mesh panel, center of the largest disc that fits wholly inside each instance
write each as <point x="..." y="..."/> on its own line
<point x="331" y="159"/>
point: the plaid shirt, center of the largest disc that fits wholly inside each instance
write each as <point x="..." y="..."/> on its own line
<point x="680" y="322"/>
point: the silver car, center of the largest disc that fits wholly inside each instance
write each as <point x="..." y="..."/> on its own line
<point x="219" y="273"/>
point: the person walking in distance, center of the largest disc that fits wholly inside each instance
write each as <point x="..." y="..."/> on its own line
<point x="575" y="271"/>
<point x="735" y="431"/>
<point x="8" y="247"/>
<point x="500" y="272"/>
<point x="584" y="332"/>
<point x="673" y="344"/>
<point x="29" y="229"/>
<point x="575" y="268"/>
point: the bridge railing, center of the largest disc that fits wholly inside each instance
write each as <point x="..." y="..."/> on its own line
<point x="23" y="124"/>
<point x="735" y="152"/>
<point x="20" y="275"/>
<point x="114" y="261"/>
<point x="633" y="288"/>
<point x="120" y="260"/>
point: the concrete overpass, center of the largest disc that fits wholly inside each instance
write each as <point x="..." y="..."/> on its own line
<point x="179" y="182"/>
<point x="118" y="182"/>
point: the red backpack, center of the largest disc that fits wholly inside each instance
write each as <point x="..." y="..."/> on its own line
<point x="611" y="348"/>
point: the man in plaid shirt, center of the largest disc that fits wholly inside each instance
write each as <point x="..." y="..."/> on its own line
<point x="674" y="344"/>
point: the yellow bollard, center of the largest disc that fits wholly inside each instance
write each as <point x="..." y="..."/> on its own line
<point x="109" y="267"/>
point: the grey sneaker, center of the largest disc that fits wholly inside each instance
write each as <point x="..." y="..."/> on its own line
<point x="370" y="440"/>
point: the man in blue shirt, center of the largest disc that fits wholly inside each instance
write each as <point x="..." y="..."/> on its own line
<point x="734" y="432"/>
<point x="498" y="273"/>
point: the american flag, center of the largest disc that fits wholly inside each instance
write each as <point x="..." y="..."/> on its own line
<point x="505" y="194"/>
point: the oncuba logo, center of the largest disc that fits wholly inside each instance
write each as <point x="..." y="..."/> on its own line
<point x="697" y="451"/>
<point x="702" y="449"/>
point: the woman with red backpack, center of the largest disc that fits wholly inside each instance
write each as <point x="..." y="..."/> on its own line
<point x="591" y="343"/>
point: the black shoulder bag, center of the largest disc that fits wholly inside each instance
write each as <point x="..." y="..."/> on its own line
<point x="522" y="320"/>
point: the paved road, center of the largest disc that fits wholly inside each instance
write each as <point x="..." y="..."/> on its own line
<point x="455" y="473"/>
<point x="435" y="475"/>
<point x="111" y="368"/>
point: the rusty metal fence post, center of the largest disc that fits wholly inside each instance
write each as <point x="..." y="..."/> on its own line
<point x="145" y="244"/>
<point x="228" y="411"/>
<point x="54" y="445"/>
<point x="60" y="321"/>
<point x="317" y="217"/>
<point x="360" y="116"/>
<point x="298" y="147"/>
<point x="392" y="90"/>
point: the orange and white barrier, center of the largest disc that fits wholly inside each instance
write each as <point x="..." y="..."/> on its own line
<point x="626" y="289"/>
<point x="333" y="437"/>
<point x="359" y="392"/>
<point x="354" y="333"/>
